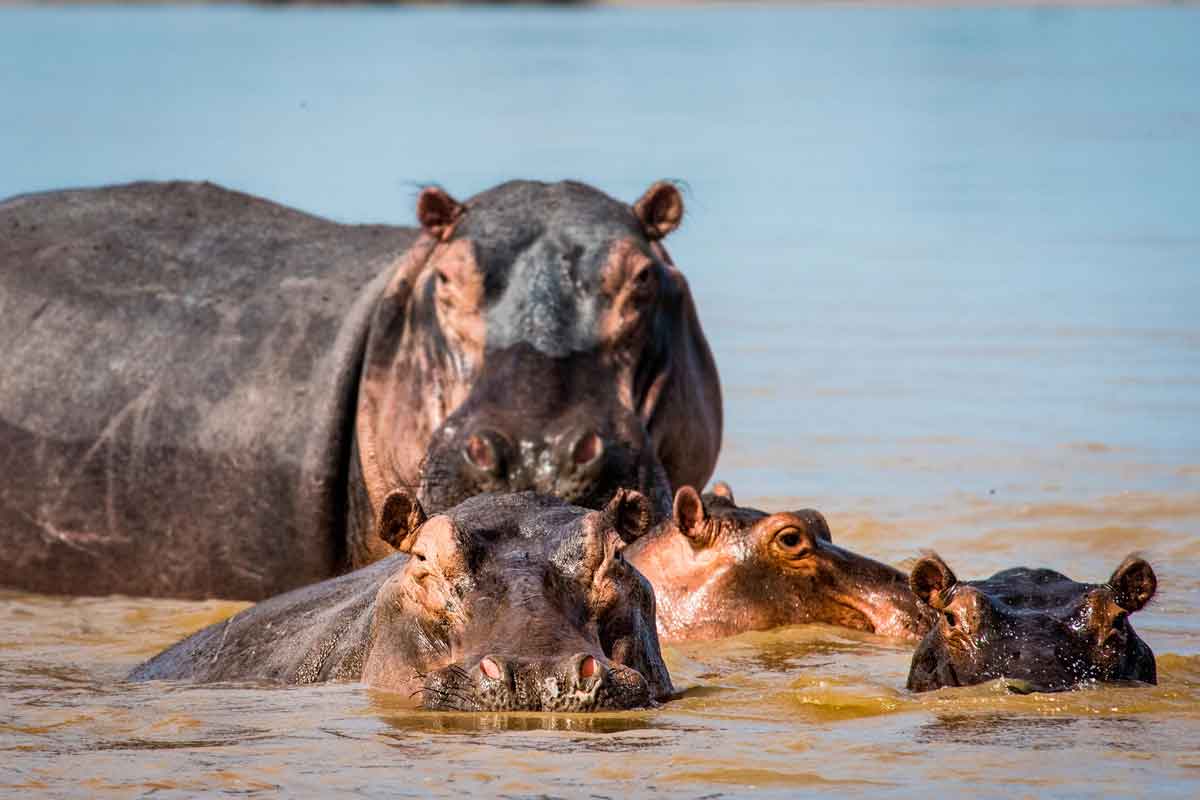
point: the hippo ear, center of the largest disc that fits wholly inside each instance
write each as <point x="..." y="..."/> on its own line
<point x="931" y="580"/>
<point x="399" y="519"/>
<point x="723" y="489"/>
<point x="1133" y="584"/>
<point x="438" y="212"/>
<point x="689" y="516"/>
<point x="630" y="513"/>
<point x="660" y="210"/>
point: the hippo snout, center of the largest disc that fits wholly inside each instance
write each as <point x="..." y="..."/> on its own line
<point x="577" y="683"/>
<point x="520" y="463"/>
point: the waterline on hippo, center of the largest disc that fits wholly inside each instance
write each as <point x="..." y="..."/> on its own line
<point x="513" y="602"/>
<point x="204" y="394"/>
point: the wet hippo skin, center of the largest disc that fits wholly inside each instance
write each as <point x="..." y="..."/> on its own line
<point x="504" y="602"/>
<point x="203" y="393"/>
<point x="1036" y="627"/>
<point x="719" y="569"/>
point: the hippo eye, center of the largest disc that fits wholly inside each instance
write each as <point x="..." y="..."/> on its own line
<point x="950" y="618"/>
<point x="792" y="542"/>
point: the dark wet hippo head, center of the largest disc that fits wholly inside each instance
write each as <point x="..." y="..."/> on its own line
<point x="538" y="337"/>
<point x="517" y="602"/>
<point x="547" y="424"/>
<point x="719" y="569"/>
<point x="1035" y="626"/>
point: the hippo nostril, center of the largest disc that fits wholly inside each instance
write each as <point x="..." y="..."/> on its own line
<point x="482" y="452"/>
<point x="588" y="667"/>
<point x="489" y="667"/>
<point x="587" y="450"/>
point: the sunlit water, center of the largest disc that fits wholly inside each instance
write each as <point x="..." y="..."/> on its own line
<point x="950" y="266"/>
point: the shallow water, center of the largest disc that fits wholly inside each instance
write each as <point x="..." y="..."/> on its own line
<point x="949" y="265"/>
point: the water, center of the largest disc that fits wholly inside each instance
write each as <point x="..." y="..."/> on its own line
<point x="949" y="265"/>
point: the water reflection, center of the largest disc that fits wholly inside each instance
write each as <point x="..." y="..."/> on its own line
<point x="1032" y="733"/>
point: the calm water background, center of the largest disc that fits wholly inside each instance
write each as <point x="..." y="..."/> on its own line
<point x="949" y="262"/>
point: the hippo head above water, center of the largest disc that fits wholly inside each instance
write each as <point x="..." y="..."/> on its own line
<point x="1035" y="626"/>
<point x="719" y="569"/>
<point x="506" y="602"/>
<point x="538" y="337"/>
<point x="517" y="602"/>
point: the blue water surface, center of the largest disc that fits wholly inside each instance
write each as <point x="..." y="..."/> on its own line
<point x="935" y="251"/>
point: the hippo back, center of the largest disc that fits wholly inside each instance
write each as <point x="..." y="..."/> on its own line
<point x="309" y="635"/>
<point x="178" y="366"/>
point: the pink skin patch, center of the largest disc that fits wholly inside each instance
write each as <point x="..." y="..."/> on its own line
<point x="588" y="667"/>
<point x="490" y="668"/>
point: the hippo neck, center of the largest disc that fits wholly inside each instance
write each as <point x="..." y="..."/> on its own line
<point x="405" y="385"/>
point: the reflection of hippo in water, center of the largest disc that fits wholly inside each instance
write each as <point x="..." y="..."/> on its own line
<point x="203" y="393"/>
<point x="1033" y="625"/>
<point x="505" y="602"/>
<point x="719" y="569"/>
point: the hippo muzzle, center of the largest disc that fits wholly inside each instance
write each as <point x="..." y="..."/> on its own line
<point x="550" y="425"/>
<point x="577" y="683"/>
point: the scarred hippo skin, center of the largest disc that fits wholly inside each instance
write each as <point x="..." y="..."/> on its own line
<point x="1036" y="627"/>
<point x="719" y="569"/>
<point x="505" y="602"/>
<point x="206" y="394"/>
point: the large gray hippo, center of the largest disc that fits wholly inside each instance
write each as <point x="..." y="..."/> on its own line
<point x="203" y="393"/>
<point x="504" y="602"/>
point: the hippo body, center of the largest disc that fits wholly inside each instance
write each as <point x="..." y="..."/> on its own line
<point x="1033" y="626"/>
<point x="505" y="602"/>
<point x="720" y="569"/>
<point x="203" y="393"/>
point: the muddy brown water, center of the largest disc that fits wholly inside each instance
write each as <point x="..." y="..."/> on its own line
<point x="949" y="266"/>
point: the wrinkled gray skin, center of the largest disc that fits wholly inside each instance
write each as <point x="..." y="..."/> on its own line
<point x="206" y="394"/>
<point x="1034" y="626"/>
<point x="505" y="602"/>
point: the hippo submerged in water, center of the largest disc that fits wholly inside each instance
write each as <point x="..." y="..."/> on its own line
<point x="1035" y="626"/>
<point x="207" y="394"/>
<point x="505" y="602"/>
<point x="719" y="569"/>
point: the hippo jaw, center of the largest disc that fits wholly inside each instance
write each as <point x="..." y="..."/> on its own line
<point x="543" y="424"/>
<point x="544" y="615"/>
<point x="1035" y="628"/>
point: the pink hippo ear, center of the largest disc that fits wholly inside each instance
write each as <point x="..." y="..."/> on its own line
<point x="630" y="514"/>
<point x="438" y="212"/>
<point x="931" y="581"/>
<point x="1133" y="584"/>
<point x="690" y="517"/>
<point x="660" y="210"/>
<point x="399" y="519"/>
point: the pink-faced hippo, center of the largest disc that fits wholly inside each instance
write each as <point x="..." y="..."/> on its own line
<point x="719" y="569"/>
<point x="206" y="394"/>
<point x="1036" y="627"/>
<point x="504" y="602"/>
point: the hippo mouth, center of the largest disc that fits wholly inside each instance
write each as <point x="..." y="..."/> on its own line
<point x="493" y="684"/>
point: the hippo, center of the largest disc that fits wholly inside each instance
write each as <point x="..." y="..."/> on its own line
<point x="719" y="569"/>
<point x="1036" y="627"/>
<point x="205" y="394"/>
<point x="504" y="602"/>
